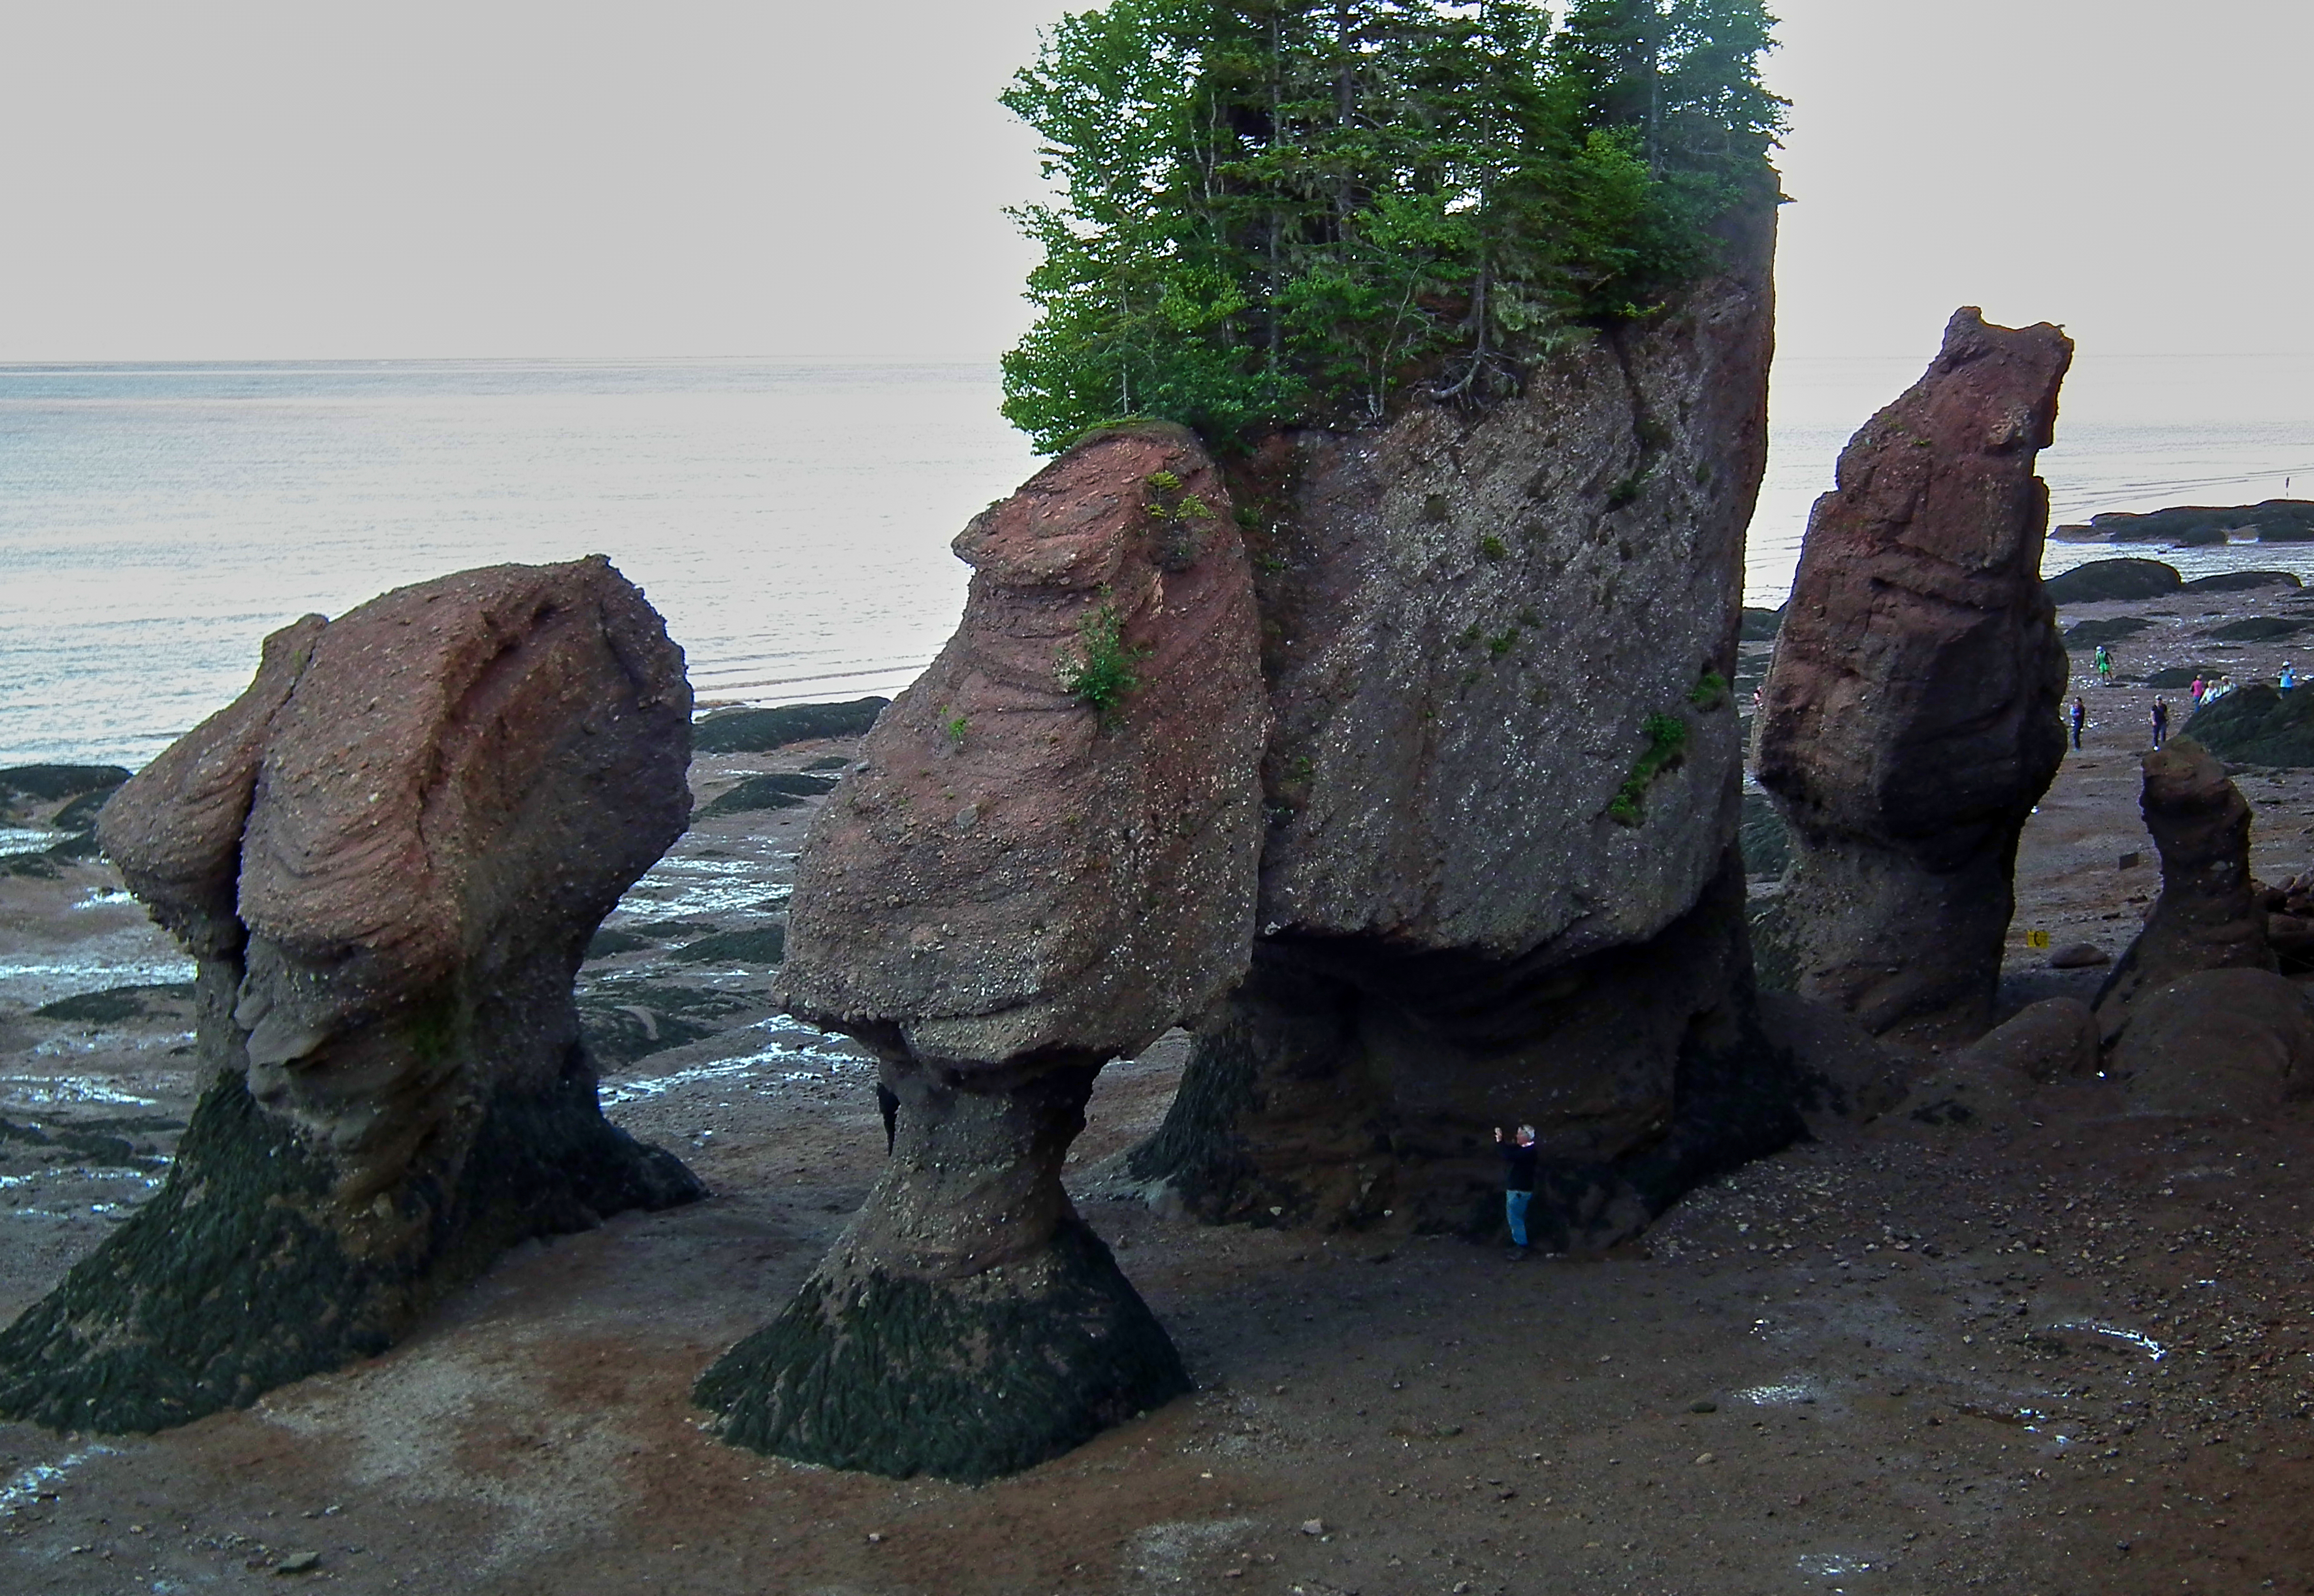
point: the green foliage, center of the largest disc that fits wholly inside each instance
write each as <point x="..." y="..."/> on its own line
<point x="1100" y="672"/>
<point x="1493" y="547"/>
<point x="1710" y="692"/>
<point x="1177" y="515"/>
<point x="1273" y="211"/>
<point x="956" y="726"/>
<point x="1667" y="737"/>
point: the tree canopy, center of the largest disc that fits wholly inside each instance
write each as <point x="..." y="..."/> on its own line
<point x="1273" y="211"/>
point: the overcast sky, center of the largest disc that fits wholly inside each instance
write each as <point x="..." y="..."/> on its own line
<point x="245" y="180"/>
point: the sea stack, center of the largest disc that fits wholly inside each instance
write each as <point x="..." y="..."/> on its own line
<point x="1044" y="859"/>
<point x="1910" y="721"/>
<point x="2208" y="916"/>
<point x="1499" y="883"/>
<point x="388" y="856"/>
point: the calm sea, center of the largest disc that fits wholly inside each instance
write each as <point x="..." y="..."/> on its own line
<point x="791" y="522"/>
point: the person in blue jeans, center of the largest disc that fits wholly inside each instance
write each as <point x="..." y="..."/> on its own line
<point x="1518" y="1152"/>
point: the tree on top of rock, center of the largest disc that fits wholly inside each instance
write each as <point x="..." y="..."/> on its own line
<point x="1281" y="211"/>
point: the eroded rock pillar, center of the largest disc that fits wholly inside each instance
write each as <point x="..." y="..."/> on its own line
<point x="1909" y="717"/>
<point x="1044" y="858"/>
<point x="388" y="856"/>
<point x="2208" y="916"/>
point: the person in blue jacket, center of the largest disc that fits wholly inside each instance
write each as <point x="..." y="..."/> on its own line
<point x="1518" y="1152"/>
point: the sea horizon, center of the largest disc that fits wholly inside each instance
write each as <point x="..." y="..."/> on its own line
<point x="790" y="516"/>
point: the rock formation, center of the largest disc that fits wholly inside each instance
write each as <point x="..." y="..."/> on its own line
<point x="2221" y="1041"/>
<point x="2210" y="915"/>
<point x="1499" y="883"/>
<point x="2102" y="580"/>
<point x="1044" y="859"/>
<point x="1909" y="719"/>
<point x="388" y="856"/>
<point x="2256" y="724"/>
<point x="2054" y="1039"/>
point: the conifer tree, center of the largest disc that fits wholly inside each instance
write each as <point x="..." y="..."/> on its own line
<point x="1280" y="211"/>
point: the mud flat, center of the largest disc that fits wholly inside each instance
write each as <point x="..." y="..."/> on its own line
<point x="2049" y="1345"/>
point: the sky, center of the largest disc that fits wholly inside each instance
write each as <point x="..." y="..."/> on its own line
<point x="254" y="179"/>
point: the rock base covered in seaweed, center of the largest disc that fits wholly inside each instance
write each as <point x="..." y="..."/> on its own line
<point x="969" y="1324"/>
<point x="388" y="856"/>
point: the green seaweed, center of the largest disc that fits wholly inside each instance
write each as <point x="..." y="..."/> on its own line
<point x="1667" y="737"/>
<point x="965" y="1380"/>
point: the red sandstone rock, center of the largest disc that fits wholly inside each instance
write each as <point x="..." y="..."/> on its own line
<point x="388" y="856"/>
<point x="2223" y="1041"/>
<point x="2210" y="915"/>
<point x="1006" y="875"/>
<point x="1012" y="887"/>
<point x="1909" y="719"/>
<point x="174" y="828"/>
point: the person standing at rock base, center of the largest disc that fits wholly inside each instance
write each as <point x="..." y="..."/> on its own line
<point x="2105" y="664"/>
<point x="1519" y="1154"/>
<point x="2081" y="719"/>
<point x="2161" y="724"/>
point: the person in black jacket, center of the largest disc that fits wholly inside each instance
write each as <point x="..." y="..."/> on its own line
<point x="1518" y="1181"/>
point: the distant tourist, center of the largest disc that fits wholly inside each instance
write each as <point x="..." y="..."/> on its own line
<point x="2105" y="664"/>
<point x="2197" y="689"/>
<point x="2161" y="722"/>
<point x="2289" y="677"/>
<point x="2081" y="719"/>
<point x="1518" y="1182"/>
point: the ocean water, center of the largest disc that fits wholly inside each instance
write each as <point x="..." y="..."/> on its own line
<point x="791" y="521"/>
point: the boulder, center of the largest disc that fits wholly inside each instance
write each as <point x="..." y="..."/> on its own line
<point x="2102" y="580"/>
<point x="2078" y="955"/>
<point x="2257" y="724"/>
<point x="2258" y="629"/>
<point x="761" y="730"/>
<point x="2231" y="1041"/>
<point x="1910" y="717"/>
<point x="1987" y="1084"/>
<point x="2049" y="1040"/>
<point x="2274" y="520"/>
<point x="2291" y="937"/>
<point x="388" y="857"/>
<point x="2208" y="916"/>
<point x="1499" y="883"/>
<point x="2242" y="581"/>
<point x="1044" y="859"/>
<point x="2089" y="634"/>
